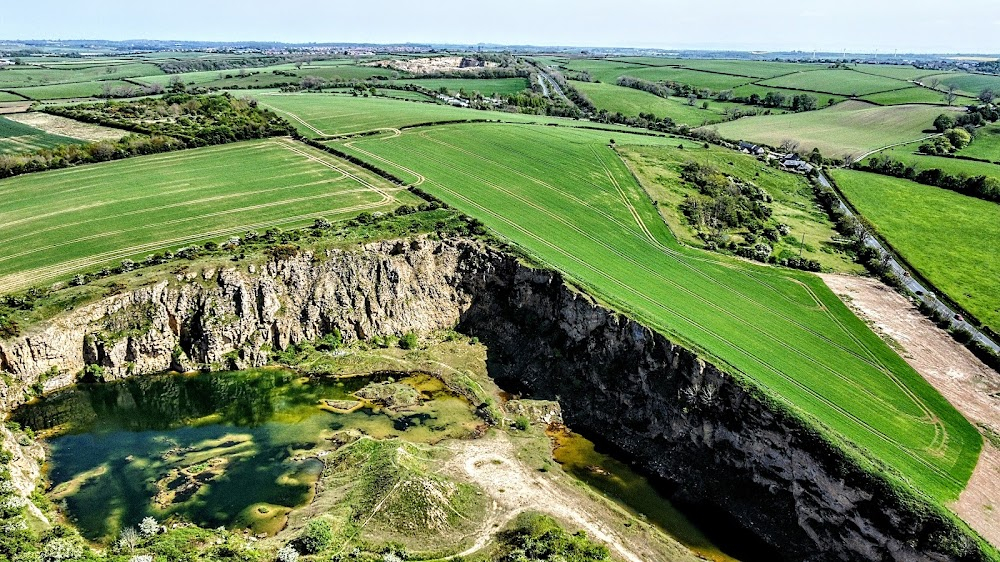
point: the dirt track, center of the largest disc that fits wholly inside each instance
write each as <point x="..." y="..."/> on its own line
<point x="965" y="381"/>
<point x="492" y="463"/>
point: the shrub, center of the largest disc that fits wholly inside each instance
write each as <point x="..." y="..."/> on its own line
<point x="408" y="341"/>
<point x="288" y="554"/>
<point x="522" y="423"/>
<point x="149" y="527"/>
<point x="316" y="536"/>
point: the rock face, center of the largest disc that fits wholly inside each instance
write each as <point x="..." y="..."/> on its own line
<point x="680" y="417"/>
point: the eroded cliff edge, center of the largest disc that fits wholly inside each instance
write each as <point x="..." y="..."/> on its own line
<point x="678" y="416"/>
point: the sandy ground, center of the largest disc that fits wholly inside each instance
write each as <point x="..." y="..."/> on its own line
<point x="491" y="462"/>
<point x="966" y="382"/>
<point x="67" y="127"/>
<point x="428" y="64"/>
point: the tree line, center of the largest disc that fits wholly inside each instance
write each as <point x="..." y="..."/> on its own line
<point x="208" y="120"/>
<point x="981" y="186"/>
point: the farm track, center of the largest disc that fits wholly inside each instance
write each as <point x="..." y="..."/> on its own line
<point x="937" y="441"/>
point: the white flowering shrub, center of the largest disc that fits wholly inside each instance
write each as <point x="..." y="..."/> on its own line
<point x="288" y="554"/>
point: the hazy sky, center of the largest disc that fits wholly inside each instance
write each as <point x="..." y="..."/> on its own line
<point x="856" y="25"/>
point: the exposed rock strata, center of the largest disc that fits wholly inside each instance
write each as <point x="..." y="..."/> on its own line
<point x="678" y="416"/>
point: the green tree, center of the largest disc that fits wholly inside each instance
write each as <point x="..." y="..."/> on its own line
<point x="943" y="123"/>
<point x="959" y="138"/>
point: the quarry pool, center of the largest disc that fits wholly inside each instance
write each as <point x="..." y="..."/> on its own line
<point x="236" y="449"/>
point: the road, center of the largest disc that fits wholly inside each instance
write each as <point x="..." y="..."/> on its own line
<point x="922" y="293"/>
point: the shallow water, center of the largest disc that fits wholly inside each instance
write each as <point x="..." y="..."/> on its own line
<point x="226" y="449"/>
<point x="706" y="536"/>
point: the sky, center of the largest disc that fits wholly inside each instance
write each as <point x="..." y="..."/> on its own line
<point x="859" y="26"/>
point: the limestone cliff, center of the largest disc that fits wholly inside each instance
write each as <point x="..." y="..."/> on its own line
<point x="679" y="416"/>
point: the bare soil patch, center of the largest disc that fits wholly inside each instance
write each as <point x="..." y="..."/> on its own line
<point x="972" y="387"/>
<point x="7" y="108"/>
<point x="63" y="126"/>
<point x="492" y="463"/>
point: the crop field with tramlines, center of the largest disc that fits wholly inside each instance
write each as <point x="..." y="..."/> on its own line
<point x="57" y="223"/>
<point x="567" y="199"/>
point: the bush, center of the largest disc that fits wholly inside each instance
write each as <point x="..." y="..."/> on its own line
<point x="148" y="527"/>
<point x="288" y="554"/>
<point x="316" y="536"/>
<point x="408" y="341"/>
<point x="522" y="423"/>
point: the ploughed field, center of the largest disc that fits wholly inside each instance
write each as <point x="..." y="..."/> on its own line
<point x="61" y="222"/>
<point x="567" y="199"/>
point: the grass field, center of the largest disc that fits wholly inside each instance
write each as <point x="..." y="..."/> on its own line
<point x="822" y="100"/>
<point x="487" y="87"/>
<point x="915" y="94"/>
<point x="73" y="90"/>
<point x="842" y="82"/>
<point x="851" y="127"/>
<point x="753" y="69"/>
<point x="948" y="237"/>
<point x="970" y="84"/>
<point x="319" y="115"/>
<point x="566" y="198"/>
<point x="908" y="155"/>
<point x="631" y="102"/>
<point x="61" y="222"/>
<point x="7" y="96"/>
<point x="986" y="145"/>
<point x="16" y="137"/>
<point x="658" y="169"/>
<point x="899" y="72"/>
<point x="609" y="71"/>
<point x="25" y="76"/>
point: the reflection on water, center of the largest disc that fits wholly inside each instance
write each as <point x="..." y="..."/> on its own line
<point x="579" y="457"/>
<point x="224" y="449"/>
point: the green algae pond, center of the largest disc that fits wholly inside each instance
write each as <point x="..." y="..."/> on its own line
<point x="237" y="449"/>
<point x="243" y="449"/>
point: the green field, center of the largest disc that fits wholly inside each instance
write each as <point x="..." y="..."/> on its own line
<point x="908" y="155"/>
<point x="658" y="169"/>
<point x="320" y="115"/>
<point x="609" y="72"/>
<point x="986" y="145"/>
<point x="73" y="90"/>
<point x="17" y="137"/>
<point x="7" y="96"/>
<point x="61" y="222"/>
<point x="915" y="94"/>
<point x="822" y="100"/>
<point x="631" y="102"/>
<point x="851" y="127"/>
<point x="946" y="236"/>
<point x="487" y="86"/>
<point x="970" y="84"/>
<point x="753" y="69"/>
<point x="836" y="81"/>
<point x="24" y="76"/>
<point x="899" y="72"/>
<point x="566" y="198"/>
